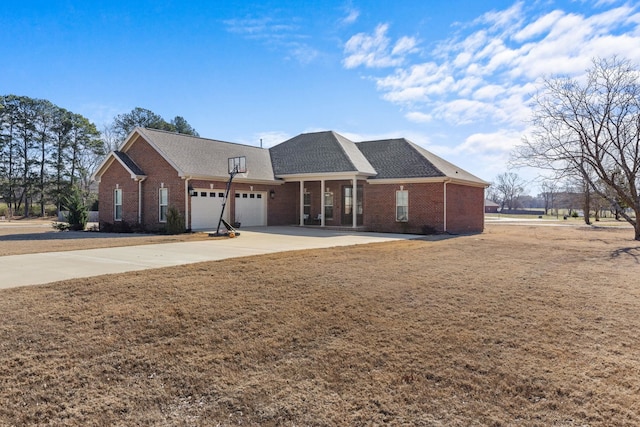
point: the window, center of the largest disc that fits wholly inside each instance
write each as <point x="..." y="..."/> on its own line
<point x="328" y="205"/>
<point x="307" y="204"/>
<point x="163" y="199"/>
<point x="117" y="204"/>
<point x="402" y="206"/>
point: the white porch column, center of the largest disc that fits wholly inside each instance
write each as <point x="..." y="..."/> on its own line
<point x="354" y="200"/>
<point x="301" y="202"/>
<point x="322" y="203"/>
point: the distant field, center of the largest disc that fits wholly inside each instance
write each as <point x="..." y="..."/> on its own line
<point x="521" y="325"/>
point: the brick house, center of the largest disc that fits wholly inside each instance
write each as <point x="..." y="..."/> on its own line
<point x="307" y="180"/>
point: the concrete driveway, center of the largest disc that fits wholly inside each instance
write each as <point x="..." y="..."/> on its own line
<point x="34" y="269"/>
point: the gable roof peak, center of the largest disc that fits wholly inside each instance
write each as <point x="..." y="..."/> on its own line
<point x="317" y="153"/>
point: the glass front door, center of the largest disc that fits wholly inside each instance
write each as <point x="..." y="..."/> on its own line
<point x="347" y="205"/>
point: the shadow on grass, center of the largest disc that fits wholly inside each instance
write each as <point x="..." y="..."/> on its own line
<point x="310" y="231"/>
<point x="632" y="252"/>
<point x="62" y="235"/>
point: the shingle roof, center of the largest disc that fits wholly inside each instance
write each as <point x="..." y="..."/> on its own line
<point x="400" y="158"/>
<point x="129" y="163"/>
<point x="200" y="157"/>
<point x="395" y="158"/>
<point x="311" y="153"/>
<point x="318" y="152"/>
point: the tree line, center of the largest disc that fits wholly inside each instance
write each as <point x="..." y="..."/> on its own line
<point x="47" y="152"/>
<point x="509" y="191"/>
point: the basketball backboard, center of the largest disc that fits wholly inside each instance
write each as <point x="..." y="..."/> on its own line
<point x="237" y="165"/>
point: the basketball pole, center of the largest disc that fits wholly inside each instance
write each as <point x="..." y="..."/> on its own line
<point x="224" y="203"/>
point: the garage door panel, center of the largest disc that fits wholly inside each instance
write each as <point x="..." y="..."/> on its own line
<point x="251" y="208"/>
<point x="206" y="206"/>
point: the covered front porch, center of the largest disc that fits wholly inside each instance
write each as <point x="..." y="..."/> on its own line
<point x="331" y="201"/>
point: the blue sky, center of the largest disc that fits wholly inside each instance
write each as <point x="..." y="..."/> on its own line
<point x="453" y="76"/>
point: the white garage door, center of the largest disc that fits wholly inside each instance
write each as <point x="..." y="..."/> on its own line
<point x="206" y="206"/>
<point x="251" y="208"/>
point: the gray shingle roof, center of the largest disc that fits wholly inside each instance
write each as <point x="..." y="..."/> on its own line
<point x="208" y="158"/>
<point x="319" y="152"/>
<point x="311" y="153"/>
<point x="395" y="158"/>
<point x="400" y="158"/>
<point x="133" y="167"/>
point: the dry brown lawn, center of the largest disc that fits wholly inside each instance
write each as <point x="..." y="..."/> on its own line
<point x="521" y="325"/>
<point x="35" y="236"/>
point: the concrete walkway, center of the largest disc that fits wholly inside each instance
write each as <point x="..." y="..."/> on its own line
<point x="34" y="269"/>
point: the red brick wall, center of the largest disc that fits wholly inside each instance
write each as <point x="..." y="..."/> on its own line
<point x="465" y="209"/>
<point x="118" y="176"/>
<point x="426" y="207"/>
<point x="159" y="172"/>
<point x="283" y="208"/>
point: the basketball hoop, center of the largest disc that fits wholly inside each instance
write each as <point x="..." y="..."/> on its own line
<point x="238" y="165"/>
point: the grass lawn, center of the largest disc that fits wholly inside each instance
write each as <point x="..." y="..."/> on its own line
<point x="28" y="236"/>
<point x="520" y="325"/>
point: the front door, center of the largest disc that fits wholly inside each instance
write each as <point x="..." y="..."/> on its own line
<point x="347" y="205"/>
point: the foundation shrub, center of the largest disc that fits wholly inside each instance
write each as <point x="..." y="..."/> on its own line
<point x="121" y="227"/>
<point x="78" y="215"/>
<point x="175" y="221"/>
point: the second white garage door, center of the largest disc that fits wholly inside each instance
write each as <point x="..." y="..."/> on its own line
<point x="251" y="208"/>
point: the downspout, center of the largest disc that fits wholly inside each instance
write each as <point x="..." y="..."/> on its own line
<point x="140" y="200"/>
<point x="446" y="181"/>
<point x="186" y="203"/>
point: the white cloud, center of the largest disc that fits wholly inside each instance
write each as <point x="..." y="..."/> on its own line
<point x="538" y="27"/>
<point x="503" y="18"/>
<point x="488" y="92"/>
<point x="465" y="111"/>
<point x="486" y="72"/>
<point x="303" y="53"/>
<point x="418" y="117"/>
<point x="476" y="85"/>
<point x="496" y="142"/>
<point x="375" y="50"/>
<point x="404" y="45"/>
<point x="282" y="34"/>
<point x="352" y="16"/>
<point x="268" y="138"/>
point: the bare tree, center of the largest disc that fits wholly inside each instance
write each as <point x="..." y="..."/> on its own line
<point x="591" y="129"/>
<point x="508" y="187"/>
<point x="549" y="193"/>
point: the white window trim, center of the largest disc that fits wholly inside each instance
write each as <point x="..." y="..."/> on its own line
<point x="398" y="192"/>
<point x="160" y="205"/>
<point x="115" y="204"/>
<point x="326" y="205"/>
